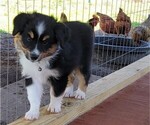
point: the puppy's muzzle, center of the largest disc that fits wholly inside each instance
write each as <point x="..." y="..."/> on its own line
<point x="34" y="57"/>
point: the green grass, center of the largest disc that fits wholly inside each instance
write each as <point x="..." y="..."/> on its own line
<point x="135" y="24"/>
<point x="2" y="31"/>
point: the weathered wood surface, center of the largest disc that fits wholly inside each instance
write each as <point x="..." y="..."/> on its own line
<point x="97" y="92"/>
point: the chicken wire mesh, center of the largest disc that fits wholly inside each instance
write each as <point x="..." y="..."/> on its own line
<point x="111" y="52"/>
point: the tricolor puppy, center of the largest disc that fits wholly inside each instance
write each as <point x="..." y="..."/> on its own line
<point x="52" y="52"/>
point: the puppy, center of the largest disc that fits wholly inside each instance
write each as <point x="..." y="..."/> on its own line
<point x="52" y="52"/>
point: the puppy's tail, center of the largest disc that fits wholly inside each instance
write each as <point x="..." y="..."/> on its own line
<point x="63" y="18"/>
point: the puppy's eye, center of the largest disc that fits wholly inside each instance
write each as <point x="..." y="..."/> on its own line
<point x="45" y="39"/>
<point x="30" y="36"/>
<point x="44" y="42"/>
<point x="29" y="39"/>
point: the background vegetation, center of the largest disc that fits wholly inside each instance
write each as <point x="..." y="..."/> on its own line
<point x="80" y="10"/>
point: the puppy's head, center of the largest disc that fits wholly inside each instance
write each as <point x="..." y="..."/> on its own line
<point x="38" y="36"/>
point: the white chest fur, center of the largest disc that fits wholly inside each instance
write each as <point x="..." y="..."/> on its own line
<point x="31" y="69"/>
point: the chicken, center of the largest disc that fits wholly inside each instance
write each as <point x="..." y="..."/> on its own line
<point x="106" y="23"/>
<point x="93" y="21"/>
<point x="63" y="17"/>
<point x="123" y="23"/>
<point x="141" y="32"/>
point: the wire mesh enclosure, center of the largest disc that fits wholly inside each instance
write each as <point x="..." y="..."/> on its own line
<point x="112" y="50"/>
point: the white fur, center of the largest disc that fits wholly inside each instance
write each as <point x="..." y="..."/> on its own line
<point x="79" y="94"/>
<point x="34" y="92"/>
<point x="30" y="69"/>
<point x="55" y="102"/>
<point x="69" y="91"/>
<point x="36" y="51"/>
<point x="40" y="28"/>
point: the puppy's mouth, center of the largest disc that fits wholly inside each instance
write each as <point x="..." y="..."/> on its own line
<point x="33" y="57"/>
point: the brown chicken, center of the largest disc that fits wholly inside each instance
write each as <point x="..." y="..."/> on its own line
<point x="63" y="17"/>
<point x="141" y="32"/>
<point x="93" y="21"/>
<point x="123" y="23"/>
<point x="106" y="23"/>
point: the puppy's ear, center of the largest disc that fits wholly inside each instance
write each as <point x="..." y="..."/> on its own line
<point x="19" y="23"/>
<point x="62" y="33"/>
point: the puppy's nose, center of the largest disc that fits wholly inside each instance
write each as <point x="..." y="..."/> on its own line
<point x="34" y="56"/>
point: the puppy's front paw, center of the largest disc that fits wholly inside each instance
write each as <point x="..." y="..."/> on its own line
<point x="32" y="115"/>
<point x="55" y="108"/>
<point x="69" y="92"/>
<point x="79" y="94"/>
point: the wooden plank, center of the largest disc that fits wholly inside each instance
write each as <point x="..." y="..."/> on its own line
<point x="97" y="92"/>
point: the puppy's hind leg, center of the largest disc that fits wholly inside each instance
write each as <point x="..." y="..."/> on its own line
<point x="83" y="78"/>
<point x="34" y="91"/>
<point x="69" y="90"/>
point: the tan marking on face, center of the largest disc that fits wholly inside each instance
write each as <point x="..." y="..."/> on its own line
<point x="31" y="34"/>
<point x="45" y="37"/>
<point x="18" y="44"/>
<point x="50" y="51"/>
<point x="82" y="83"/>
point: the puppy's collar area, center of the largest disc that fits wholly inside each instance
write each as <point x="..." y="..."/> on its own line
<point x="40" y="66"/>
<point x="39" y="69"/>
<point x="50" y="60"/>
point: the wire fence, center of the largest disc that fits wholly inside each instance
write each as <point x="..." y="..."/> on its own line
<point x="75" y="9"/>
<point x="111" y="52"/>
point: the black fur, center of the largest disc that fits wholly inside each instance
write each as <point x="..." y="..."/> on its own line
<point x="75" y="40"/>
<point x="28" y="81"/>
<point x="75" y="53"/>
<point x="59" y="84"/>
<point x="24" y="23"/>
